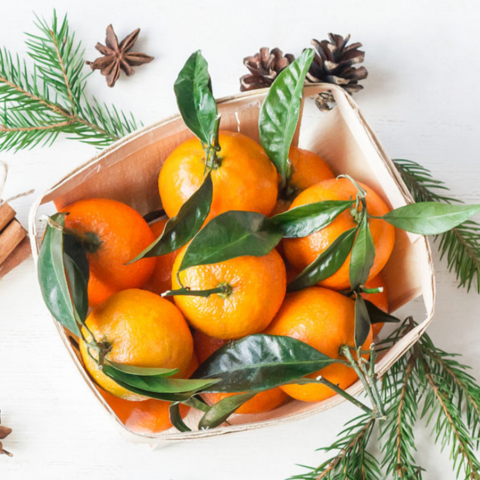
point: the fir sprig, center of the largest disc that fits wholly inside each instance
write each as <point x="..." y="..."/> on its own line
<point x="36" y="106"/>
<point x="451" y="402"/>
<point x="400" y="393"/>
<point x="351" y="459"/>
<point x="448" y="427"/>
<point x="461" y="245"/>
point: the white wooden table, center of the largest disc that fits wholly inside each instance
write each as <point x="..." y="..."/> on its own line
<point x="421" y="98"/>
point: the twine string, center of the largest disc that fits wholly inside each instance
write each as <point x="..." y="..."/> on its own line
<point x="3" y="181"/>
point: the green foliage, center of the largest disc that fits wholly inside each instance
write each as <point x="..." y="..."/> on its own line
<point x="451" y="403"/>
<point x="430" y="218"/>
<point x="400" y="394"/>
<point x="352" y="460"/>
<point x="193" y="89"/>
<point x="180" y="229"/>
<point x="260" y="362"/>
<point x="35" y="107"/>
<point x="326" y="264"/>
<point x="461" y="245"/>
<point x="280" y="113"/>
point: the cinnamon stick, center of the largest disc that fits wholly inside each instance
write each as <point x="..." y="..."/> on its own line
<point x="7" y="214"/>
<point x="10" y="237"/>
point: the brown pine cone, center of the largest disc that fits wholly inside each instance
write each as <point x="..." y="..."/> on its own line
<point x="334" y="62"/>
<point x="264" y="68"/>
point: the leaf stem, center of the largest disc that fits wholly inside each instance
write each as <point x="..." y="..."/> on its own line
<point x="346" y="395"/>
<point x="224" y="290"/>
<point x="368" y="382"/>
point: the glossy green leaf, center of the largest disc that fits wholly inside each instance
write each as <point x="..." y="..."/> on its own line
<point x="260" y="362"/>
<point x="379" y="316"/>
<point x="75" y="250"/>
<point x="53" y="279"/>
<point x="218" y="413"/>
<point x="307" y="219"/>
<point x="281" y="110"/>
<point x="143" y="371"/>
<point x="167" y="397"/>
<point x="326" y="264"/>
<point x="229" y="235"/>
<point x="363" y="255"/>
<point x="180" y="229"/>
<point x="430" y="218"/>
<point x="77" y="287"/>
<point x="362" y="322"/>
<point x="158" y="383"/>
<point x="193" y="89"/>
<point x="197" y="403"/>
<point x="176" y="418"/>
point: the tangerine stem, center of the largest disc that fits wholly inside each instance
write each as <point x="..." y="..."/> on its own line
<point x="223" y="289"/>
<point x="346" y="396"/>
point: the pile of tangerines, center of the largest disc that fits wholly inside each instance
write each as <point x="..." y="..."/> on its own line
<point x="151" y="312"/>
<point x="146" y="330"/>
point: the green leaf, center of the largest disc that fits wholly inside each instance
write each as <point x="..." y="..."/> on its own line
<point x="229" y="235"/>
<point x="77" y="287"/>
<point x="75" y="250"/>
<point x="430" y="218"/>
<point x="280" y="112"/>
<point x="363" y="255"/>
<point x="379" y="316"/>
<point x="327" y="263"/>
<point x="218" y="413"/>
<point x="180" y="229"/>
<point x="196" y="103"/>
<point x="53" y="279"/>
<point x="157" y="383"/>
<point x="143" y="371"/>
<point x="197" y="403"/>
<point x="167" y="397"/>
<point x="260" y="362"/>
<point x="176" y="418"/>
<point x="362" y="322"/>
<point x="307" y="219"/>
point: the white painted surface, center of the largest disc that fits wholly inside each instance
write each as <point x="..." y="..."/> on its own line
<point x="422" y="100"/>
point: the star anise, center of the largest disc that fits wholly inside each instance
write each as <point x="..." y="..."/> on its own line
<point x="118" y="56"/>
<point x="4" y="433"/>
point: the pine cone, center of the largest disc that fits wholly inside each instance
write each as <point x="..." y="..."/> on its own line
<point x="334" y="63"/>
<point x="264" y="67"/>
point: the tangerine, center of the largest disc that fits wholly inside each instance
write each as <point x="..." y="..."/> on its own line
<point x="114" y="234"/>
<point x="308" y="170"/>
<point x="143" y="330"/>
<point x="243" y="178"/>
<point x="301" y="252"/>
<point x="254" y="290"/>
<point x="325" y="320"/>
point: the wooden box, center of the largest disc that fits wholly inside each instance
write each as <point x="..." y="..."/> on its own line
<point x="128" y="171"/>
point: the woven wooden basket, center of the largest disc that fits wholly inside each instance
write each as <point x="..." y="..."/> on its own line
<point x="128" y="171"/>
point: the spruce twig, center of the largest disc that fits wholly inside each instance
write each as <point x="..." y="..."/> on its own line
<point x="352" y="460"/>
<point x="36" y="107"/>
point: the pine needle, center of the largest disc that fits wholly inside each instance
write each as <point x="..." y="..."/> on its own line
<point x="351" y="461"/>
<point x="461" y="245"/>
<point x="36" y="107"/>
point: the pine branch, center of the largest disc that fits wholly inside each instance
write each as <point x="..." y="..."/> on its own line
<point x="36" y="108"/>
<point x="400" y="393"/>
<point x="461" y="245"/>
<point x="448" y="427"/>
<point x="456" y="380"/>
<point x="352" y="461"/>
